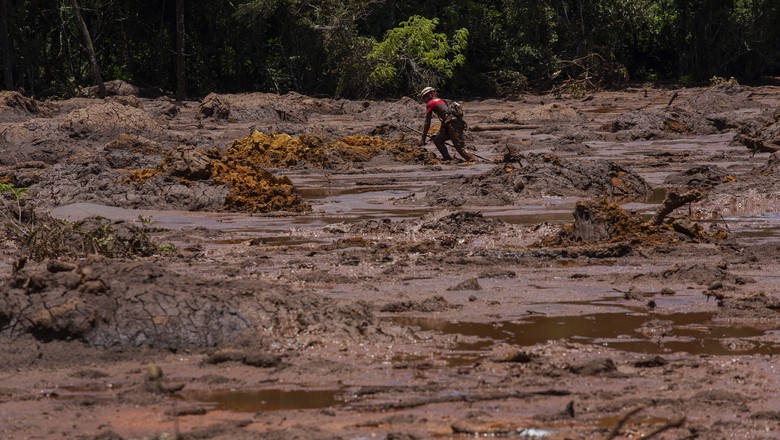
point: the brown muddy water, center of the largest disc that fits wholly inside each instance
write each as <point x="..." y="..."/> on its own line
<point x="693" y="333"/>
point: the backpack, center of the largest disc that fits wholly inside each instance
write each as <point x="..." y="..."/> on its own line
<point x="455" y="109"/>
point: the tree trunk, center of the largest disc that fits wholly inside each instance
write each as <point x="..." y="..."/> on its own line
<point x="5" y="46"/>
<point x="181" y="92"/>
<point x="90" y="50"/>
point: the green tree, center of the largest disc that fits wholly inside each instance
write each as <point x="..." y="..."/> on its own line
<point x="413" y="55"/>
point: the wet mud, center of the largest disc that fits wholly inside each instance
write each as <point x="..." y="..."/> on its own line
<point x="269" y="267"/>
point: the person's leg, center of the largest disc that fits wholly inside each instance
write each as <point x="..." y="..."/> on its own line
<point x="439" y="140"/>
<point x="455" y="130"/>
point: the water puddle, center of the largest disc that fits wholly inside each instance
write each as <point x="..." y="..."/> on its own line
<point x="693" y="333"/>
<point x="266" y="400"/>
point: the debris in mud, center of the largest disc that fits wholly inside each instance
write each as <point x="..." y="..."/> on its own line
<point x="605" y="222"/>
<point x="282" y="150"/>
<point x="539" y="175"/>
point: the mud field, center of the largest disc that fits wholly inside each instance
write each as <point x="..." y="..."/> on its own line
<point x="286" y="267"/>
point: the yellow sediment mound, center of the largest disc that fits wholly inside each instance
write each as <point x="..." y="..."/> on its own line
<point x="253" y="189"/>
<point x="278" y="150"/>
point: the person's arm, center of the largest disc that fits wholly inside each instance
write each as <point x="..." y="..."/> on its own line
<point x="426" y="128"/>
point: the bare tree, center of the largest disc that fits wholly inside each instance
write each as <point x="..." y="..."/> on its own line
<point x="90" y="50"/>
<point x="5" y="45"/>
<point x="181" y="92"/>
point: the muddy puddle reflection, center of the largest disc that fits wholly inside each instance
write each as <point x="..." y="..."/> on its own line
<point x="266" y="400"/>
<point x="693" y="333"/>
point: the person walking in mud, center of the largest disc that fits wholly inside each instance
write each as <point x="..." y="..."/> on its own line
<point x="452" y="125"/>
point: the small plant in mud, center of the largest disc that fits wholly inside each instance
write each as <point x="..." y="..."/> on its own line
<point x="167" y="248"/>
<point x="15" y="194"/>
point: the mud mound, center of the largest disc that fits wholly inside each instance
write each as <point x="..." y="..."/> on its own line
<point x="703" y="176"/>
<point x="445" y="222"/>
<point x="96" y="181"/>
<point x="721" y="98"/>
<point x="707" y="112"/>
<point x="542" y="175"/>
<point x="702" y="274"/>
<point x="288" y="113"/>
<point x="278" y="150"/>
<point x="544" y="113"/>
<point x="183" y="178"/>
<point x="37" y="139"/>
<point x="107" y="303"/>
<point x="669" y="123"/>
<point x="108" y="120"/>
<point x="603" y="222"/>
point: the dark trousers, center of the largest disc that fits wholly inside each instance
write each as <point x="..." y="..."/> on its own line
<point x="453" y="129"/>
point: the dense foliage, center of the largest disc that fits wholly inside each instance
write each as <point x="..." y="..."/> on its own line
<point x="360" y="48"/>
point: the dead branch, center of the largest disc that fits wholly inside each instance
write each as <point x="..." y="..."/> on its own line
<point x="622" y="421"/>
<point x="674" y="201"/>
<point x="673" y="424"/>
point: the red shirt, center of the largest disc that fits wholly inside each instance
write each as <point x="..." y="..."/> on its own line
<point x="433" y="103"/>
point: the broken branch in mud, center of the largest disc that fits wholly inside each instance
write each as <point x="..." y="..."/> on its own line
<point x="677" y="423"/>
<point x="622" y="421"/>
<point x="414" y="403"/>
<point x="673" y="201"/>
